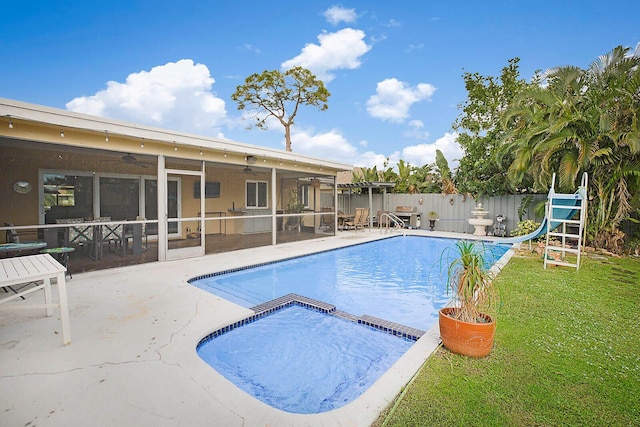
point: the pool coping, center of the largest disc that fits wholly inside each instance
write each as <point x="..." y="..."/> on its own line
<point x="133" y="360"/>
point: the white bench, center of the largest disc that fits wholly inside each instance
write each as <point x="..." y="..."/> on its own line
<point x="33" y="268"/>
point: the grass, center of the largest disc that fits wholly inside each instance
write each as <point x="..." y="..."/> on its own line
<point x="567" y="352"/>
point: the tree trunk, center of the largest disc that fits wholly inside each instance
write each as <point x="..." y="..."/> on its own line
<point x="287" y="137"/>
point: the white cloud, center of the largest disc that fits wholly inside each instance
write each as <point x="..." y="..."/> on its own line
<point x="250" y="47"/>
<point x="176" y="95"/>
<point x="370" y="159"/>
<point x="413" y="47"/>
<point x="422" y="154"/>
<point x="336" y="14"/>
<point x="394" y="98"/>
<point x="329" y="145"/>
<point x="334" y="146"/>
<point x="393" y="23"/>
<point x="416" y="131"/>
<point x="340" y="50"/>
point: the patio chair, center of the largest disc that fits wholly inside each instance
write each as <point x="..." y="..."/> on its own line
<point x="13" y="236"/>
<point x="364" y="220"/>
<point x="356" y="220"/>
<point x="78" y="234"/>
<point x="113" y="233"/>
<point x="130" y="235"/>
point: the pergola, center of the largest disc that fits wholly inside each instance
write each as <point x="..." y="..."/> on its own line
<point x="369" y="185"/>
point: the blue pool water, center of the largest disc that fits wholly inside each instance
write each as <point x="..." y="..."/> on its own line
<point x="289" y="359"/>
<point x="400" y="279"/>
<point x="303" y="361"/>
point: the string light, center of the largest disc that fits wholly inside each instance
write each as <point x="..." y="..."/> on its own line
<point x="10" y="123"/>
<point x="61" y="134"/>
<point x="142" y="145"/>
<point x="106" y="136"/>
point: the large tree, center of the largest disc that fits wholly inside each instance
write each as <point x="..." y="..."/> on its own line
<point x="479" y="131"/>
<point x="277" y="94"/>
<point x="582" y="121"/>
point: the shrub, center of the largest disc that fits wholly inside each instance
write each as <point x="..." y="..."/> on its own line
<point x="526" y="227"/>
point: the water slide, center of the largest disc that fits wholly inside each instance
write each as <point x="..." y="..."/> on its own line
<point x="563" y="214"/>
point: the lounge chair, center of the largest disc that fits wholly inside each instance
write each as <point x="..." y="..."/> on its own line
<point x="356" y="220"/>
<point x="364" y="220"/>
<point x="360" y="220"/>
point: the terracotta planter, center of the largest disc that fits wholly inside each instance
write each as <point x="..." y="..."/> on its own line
<point x="468" y="339"/>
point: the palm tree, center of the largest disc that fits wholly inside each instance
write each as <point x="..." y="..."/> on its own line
<point x="577" y="121"/>
<point x="448" y="185"/>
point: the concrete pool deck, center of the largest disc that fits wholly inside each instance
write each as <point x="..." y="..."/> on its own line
<point x="132" y="358"/>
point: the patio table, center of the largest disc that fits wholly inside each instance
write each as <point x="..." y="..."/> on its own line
<point x="62" y="255"/>
<point x="342" y="218"/>
<point x="18" y="248"/>
<point x="35" y="268"/>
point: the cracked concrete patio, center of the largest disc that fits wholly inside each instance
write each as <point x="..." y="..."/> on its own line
<point x="132" y="359"/>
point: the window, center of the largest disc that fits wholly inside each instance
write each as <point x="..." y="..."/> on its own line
<point x="119" y="198"/>
<point x="256" y="195"/>
<point x="303" y="195"/>
<point x="66" y="196"/>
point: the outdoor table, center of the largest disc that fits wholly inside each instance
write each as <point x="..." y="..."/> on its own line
<point x="62" y="255"/>
<point x="35" y="268"/>
<point x="342" y="218"/>
<point x="18" y="248"/>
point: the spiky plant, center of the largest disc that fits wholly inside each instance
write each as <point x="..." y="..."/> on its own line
<point x="470" y="282"/>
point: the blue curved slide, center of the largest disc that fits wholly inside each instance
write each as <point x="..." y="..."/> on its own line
<point x="558" y="213"/>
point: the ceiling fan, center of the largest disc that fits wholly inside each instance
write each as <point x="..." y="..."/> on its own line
<point x="247" y="170"/>
<point x="131" y="160"/>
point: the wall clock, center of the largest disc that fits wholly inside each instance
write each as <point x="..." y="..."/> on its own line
<point x="21" y="187"/>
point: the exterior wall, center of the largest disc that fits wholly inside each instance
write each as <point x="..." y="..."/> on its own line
<point x="453" y="210"/>
<point x="25" y="161"/>
<point x="19" y="208"/>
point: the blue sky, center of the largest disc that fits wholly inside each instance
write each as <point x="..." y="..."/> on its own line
<point x="394" y="69"/>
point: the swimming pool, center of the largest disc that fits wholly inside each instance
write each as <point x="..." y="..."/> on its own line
<point x="297" y="350"/>
<point x="398" y="280"/>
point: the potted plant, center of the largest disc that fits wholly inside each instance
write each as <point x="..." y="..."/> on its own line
<point x="294" y="206"/>
<point x="432" y="217"/>
<point x="465" y="327"/>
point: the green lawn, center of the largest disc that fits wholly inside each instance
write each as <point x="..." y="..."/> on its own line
<point x="567" y="352"/>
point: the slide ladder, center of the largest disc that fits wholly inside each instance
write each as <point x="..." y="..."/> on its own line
<point x="561" y="212"/>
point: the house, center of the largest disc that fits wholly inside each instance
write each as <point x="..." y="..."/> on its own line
<point x="185" y="193"/>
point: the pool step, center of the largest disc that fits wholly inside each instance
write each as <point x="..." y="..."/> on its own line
<point x="373" y="322"/>
<point x="391" y="327"/>
<point x="289" y="299"/>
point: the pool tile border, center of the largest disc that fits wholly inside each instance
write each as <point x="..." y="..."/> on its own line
<point x="270" y="307"/>
<point x="262" y="264"/>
